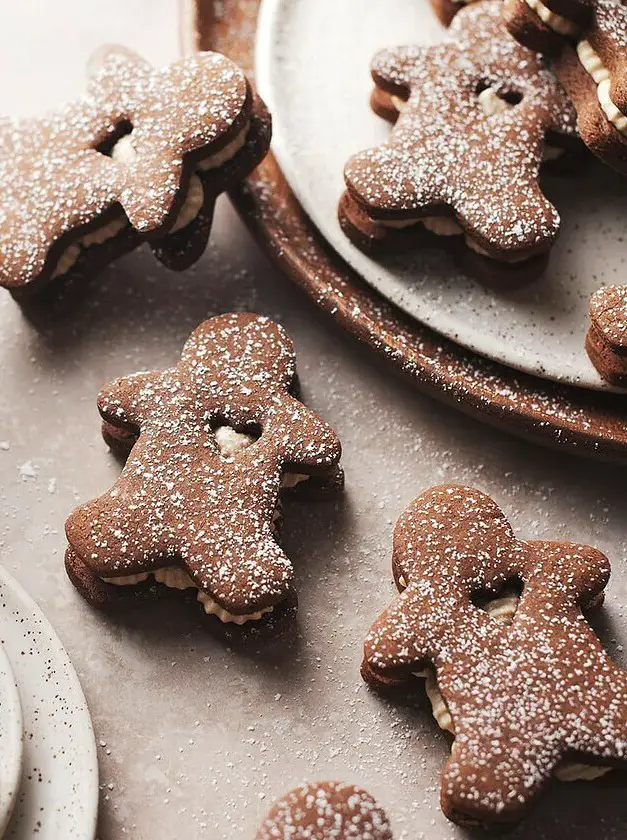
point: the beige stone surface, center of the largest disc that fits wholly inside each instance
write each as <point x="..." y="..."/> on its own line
<point x="197" y="734"/>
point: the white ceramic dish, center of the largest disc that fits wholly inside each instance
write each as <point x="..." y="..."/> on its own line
<point x="58" y="798"/>
<point x="312" y="68"/>
<point x="11" y="740"/>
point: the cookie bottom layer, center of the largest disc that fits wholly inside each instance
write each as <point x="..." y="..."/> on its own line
<point x="103" y="595"/>
<point x="374" y="238"/>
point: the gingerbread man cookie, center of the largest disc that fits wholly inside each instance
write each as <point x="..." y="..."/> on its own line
<point x="606" y="341"/>
<point x="525" y="687"/>
<point x="143" y="156"/>
<point x="475" y="113"/>
<point x="589" y="41"/>
<point x="215" y="440"/>
<point x="326" y="811"/>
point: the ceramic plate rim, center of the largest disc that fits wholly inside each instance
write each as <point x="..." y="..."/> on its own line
<point x="87" y="790"/>
<point x="11" y="708"/>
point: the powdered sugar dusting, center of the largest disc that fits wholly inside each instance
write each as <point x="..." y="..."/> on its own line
<point x="608" y="29"/>
<point x="523" y="697"/>
<point x="178" y="498"/>
<point x="445" y="153"/>
<point x="608" y="312"/>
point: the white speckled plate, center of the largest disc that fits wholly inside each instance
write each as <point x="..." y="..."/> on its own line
<point x="11" y="740"/>
<point x="58" y="797"/>
<point x="322" y="117"/>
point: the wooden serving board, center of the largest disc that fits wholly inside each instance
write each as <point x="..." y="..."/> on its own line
<point x="581" y="421"/>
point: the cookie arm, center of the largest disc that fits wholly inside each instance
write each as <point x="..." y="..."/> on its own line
<point x="303" y="439"/>
<point x="393" y="69"/>
<point x="381" y="181"/>
<point x="124" y="403"/>
<point x="399" y="642"/>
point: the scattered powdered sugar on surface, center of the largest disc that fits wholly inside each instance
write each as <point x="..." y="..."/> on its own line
<point x="445" y="151"/>
<point x="178" y="496"/>
<point x="55" y="179"/>
<point x="201" y="734"/>
<point x="198" y="737"/>
<point x="525" y="696"/>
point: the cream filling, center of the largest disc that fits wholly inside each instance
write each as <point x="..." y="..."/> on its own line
<point x="589" y="59"/>
<point x="501" y="610"/>
<point x="593" y="65"/>
<point x="557" y="23"/>
<point x="445" y="226"/>
<point x="175" y="578"/>
<point x="399" y="104"/>
<point x="124" y="153"/>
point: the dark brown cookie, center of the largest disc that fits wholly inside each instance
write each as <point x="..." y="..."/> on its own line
<point x="606" y="341"/>
<point x="212" y="442"/>
<point x="326" y="811"/>
<point x="142" y="157"/>
<point x="525" y="687"/>
<point x="589" y="41"/>
<point x="447" y="9"/>
<point x="464" y="156"/>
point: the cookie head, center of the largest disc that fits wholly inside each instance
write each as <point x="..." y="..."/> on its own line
<point x="496" y="626"/>
<point x="213" y="441"/>
<point x="465" y="153"/>
<point x="326" y="811"/>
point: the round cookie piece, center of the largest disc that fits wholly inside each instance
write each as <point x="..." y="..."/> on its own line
<point x="326" y="811"/>
<point x="446" y="10"/>
<point x="606" y="341"/>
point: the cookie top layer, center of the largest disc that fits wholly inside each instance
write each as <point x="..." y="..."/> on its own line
<point x="447" y="154"/>
<point x="326" y="811"/>
<point x="608" y="313"/>
<point x="522" y="697"/>
<point x="57" y="175"/>
<point x="178" y="500"/>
